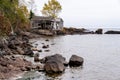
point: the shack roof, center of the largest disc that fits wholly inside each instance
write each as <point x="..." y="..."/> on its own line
<point x="45" y="18"/>
<point x="42" y="18"/>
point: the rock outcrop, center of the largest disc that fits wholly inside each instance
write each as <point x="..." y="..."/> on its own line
<point x="16" y="45"/>
<point x="112" y="32"/>
<point x="10" y="66"/>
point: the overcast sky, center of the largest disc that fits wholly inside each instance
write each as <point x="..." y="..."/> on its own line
<point x="87" y="13"/>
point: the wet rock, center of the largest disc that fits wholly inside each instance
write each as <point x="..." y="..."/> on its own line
<point x="39" y="50"/>
<point x="28" y="34"/>
<point x="60" y="32"/>
<point x="20" y="51"/>
<point x="1" y="44"/>
<point x="45" y="46"/>
<point x="28" y="52"/>
<point x="99" y="31"/>
<point x="53" y="44"/>
<point x="36" y="57"/>
<point x="56" y="57"/>
<point x="47" y="40"/>
<point x="54" y="66"/>
<point x="42" y="60"/>
<point x="76" y="61"/>
<point x="47" y="50"/>
<point x="39" y="67"/>
<point x="25" y="39"/>
<point x="11" y="45"/>
<point x="42" y="43"/>
<point x="77" y="31"/>
<point x="65" y="63"/>
<point x="28" y="68"/>
<point x="34" y="49"/>
<point x="11" y="65"/>
<point x="87" y="32"/>
<point x="112" y="32"/>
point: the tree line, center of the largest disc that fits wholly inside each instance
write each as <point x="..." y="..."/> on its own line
<point x="13" y="16"/>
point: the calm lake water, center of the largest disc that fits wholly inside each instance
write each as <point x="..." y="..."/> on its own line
<point x="101" y="55"/>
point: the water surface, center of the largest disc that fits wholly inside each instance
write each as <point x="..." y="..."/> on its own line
<point x="101" y="55"/>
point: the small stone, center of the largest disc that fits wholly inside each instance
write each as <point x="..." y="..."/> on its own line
<point x="47" y="40"/>
<point x="45" y="46"/>
<point x="47" y="50"/>
<point x="39" y="50"/>
<point x="36" y="57"/>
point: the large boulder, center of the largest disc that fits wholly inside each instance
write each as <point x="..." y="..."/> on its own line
<point x="56" y="57"/>
<point x="99" y="31"/>
<point x="54" y="66"/>
<point x="112" y="32"/>
<point x="76" y="61"/>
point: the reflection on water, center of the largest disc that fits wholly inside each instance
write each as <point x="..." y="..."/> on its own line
<point x="100" y="52"/>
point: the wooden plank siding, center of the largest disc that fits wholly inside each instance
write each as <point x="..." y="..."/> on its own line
<point x="42" y="22"/>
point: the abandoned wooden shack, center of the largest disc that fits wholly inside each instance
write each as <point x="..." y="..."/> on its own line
<point x="41" y="22"/>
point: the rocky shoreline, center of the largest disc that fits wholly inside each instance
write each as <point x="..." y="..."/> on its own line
<point x="13" y="62"/>
<point x="10" y="47"/>
<point x="72" y="31"/>
<point x="19" y="44"/>
<point x="66" y="31"/>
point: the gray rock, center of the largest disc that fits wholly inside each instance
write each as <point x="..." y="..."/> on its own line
<point x="47" y="40"/>
<point x="76" y="61"/>
<point x="20" y="50"/>
<point x="56" y="57"/>
<point x="36" y="57"/>
<point x="45" y="46"/>
<point x="99" y="31"/>
<point x="39" y="50"/>
<point x="112" y="32"/>
<point x="28" y="52"/>
<point x="54" y="66"/>
<point x="47" y="50"/>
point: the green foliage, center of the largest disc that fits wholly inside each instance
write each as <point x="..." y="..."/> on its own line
<point x="52" y="8"/>
<point x="31" y="14"/>
<point x="15" y="14"/>
<point x="4" y="26"/>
